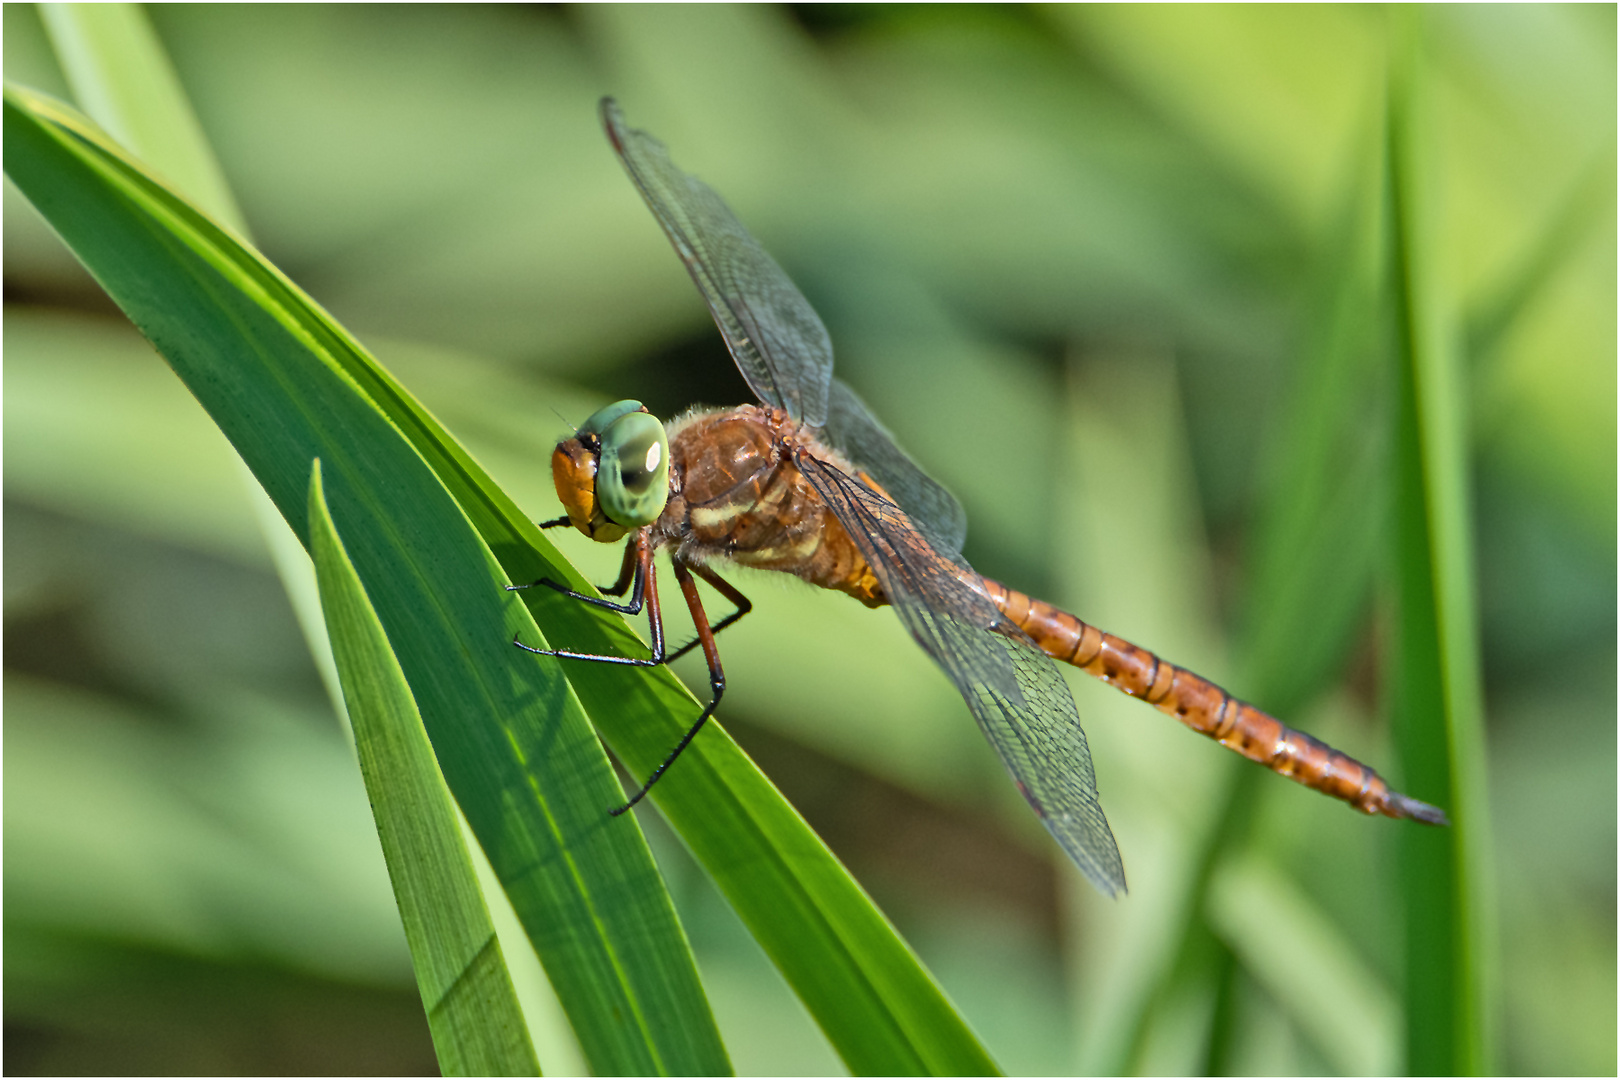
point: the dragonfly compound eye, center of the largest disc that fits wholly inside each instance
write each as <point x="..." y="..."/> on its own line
<point x="632" y="480"/>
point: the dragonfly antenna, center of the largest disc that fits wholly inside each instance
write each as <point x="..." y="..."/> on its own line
<point x="574" y="427"/>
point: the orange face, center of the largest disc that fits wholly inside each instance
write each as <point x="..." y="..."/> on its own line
<point x="573" y="469"/>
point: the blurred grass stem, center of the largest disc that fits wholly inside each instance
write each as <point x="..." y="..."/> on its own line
<point x="1435" y="694"/>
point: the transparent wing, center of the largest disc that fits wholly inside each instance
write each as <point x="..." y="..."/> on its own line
<point x="852" y="428"/>
<point x="774" y="335"/>
<point x="1014" y="690"/>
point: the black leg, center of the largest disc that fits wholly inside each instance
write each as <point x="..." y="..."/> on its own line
<point x="629" y="573"/>
<point x="717" y="677"/>
<point x="553" y="523"/>
<point x="638" y="567"/>
<point x="644" y="591"/>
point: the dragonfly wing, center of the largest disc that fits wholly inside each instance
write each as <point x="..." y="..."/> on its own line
<point x="775" y="336"/>
<point x="852" y="428"/>
<point x="1014" y="690"/>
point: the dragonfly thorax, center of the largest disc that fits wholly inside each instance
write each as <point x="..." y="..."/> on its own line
<point x="738" y="495"/>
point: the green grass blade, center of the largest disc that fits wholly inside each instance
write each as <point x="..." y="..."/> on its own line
<point x="123" y="79"/>
<point x="878" y="1006"/>
<point x="472" y="1010"/>
<point x="1126" y="413"/>
<point x="511" y="740"/>
<point x="1579" y="216"/>
<point x="1316" y="541"/>
<point x="1314" y="556"/>
<point x="1435" y="692"/>
<point x="1310" y="579"/>
<point x="1308" y="967"/>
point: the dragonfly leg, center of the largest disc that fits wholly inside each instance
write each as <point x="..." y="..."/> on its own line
<point x="638" y="564"/>
<point x="717" y="677"/>
<point x="627" y="576"/>
<point x="627" y="571"/>
<point x="553" y="523"/>
<point x="730" y="592"/>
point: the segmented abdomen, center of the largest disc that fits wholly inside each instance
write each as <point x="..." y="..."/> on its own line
<point x="1206" y="708"/>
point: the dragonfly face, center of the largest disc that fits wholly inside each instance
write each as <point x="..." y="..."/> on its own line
<point x="613" y="475"/>
<point x="809" y="483"/>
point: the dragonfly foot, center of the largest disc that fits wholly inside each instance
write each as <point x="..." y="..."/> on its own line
<point x="547" y="582"/>
<point x="531" y="648"/>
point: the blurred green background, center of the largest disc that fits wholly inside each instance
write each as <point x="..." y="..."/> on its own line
<point x="1078" y="259"/>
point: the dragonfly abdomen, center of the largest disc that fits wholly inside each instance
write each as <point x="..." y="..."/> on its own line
<point x="1205" y="707"/>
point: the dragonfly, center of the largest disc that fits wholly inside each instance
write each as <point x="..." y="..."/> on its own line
<point x="807" y="482"/>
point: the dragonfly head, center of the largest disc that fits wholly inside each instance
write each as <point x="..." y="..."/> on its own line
<point x="613" y="475"/>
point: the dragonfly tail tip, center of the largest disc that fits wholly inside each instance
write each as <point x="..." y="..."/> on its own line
<point x="1420" y="811"/>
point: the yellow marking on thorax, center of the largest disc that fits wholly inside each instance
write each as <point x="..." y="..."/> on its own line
<point x="776" y="492"/>
<point x="709" y="517"/>
<point x="799" y="551"/>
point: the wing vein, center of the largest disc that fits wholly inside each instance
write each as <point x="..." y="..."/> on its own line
<point x="1015" y="691"/>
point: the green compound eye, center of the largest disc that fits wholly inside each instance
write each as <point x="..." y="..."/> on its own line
<point x="632" y="478"/>
<point x="603" y="418"/>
